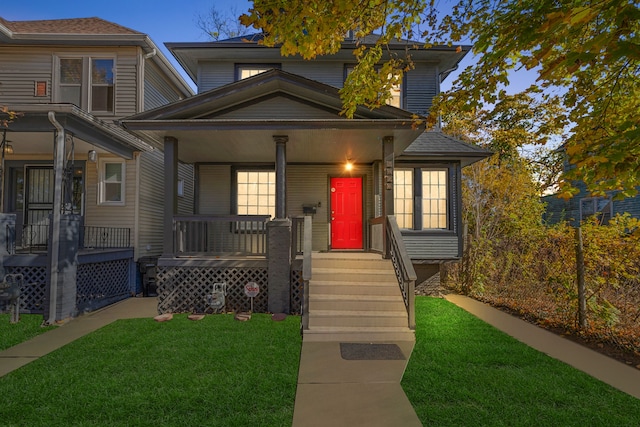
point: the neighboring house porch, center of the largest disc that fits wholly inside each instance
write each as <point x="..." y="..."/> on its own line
<point x="63" y="171"/>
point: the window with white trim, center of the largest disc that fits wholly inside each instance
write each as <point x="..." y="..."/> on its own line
<point x="434" y="199"/>
<point x="421" y="198"/>
<point x="112" y="182"/>
<point x="256" y="192"/>
<point x="88" y="82"/>
<point x="244" y="71"/>
<point x="403" y="197"/>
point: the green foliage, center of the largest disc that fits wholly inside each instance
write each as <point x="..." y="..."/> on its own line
<point x="7" y="116"/>
<point x="588" y="54"/>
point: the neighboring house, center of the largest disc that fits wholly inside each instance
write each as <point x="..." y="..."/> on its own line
<point x="80" y="196"/>
<point x="583" y="206"/>
<point x="271" y="152"/>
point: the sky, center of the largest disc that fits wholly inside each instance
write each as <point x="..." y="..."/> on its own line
<point x="162" y="20"/>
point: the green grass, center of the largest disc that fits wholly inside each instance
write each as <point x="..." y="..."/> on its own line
<point x="27" y="328"/>
<point x="215" y="372"/>
<point x="464" y="372"/>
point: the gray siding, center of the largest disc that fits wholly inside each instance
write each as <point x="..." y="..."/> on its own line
<point x="214" y="185"/>
<point x="432" y="247"/>
<point x="110" y="216"/>
<point x="421" y="87"/>
<point x="158" y="91"/>
<point x="278" y="107"/>
<point x="186" y="202"/>
<point x="19" y="70"/>
<point x="151" y="196"/>
<point x="420" y="83"/>
<point x="21" y="67"/>
<point x="214" y="74"/>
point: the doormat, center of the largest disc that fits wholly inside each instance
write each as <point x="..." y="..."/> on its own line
<point x="366" y="351"/>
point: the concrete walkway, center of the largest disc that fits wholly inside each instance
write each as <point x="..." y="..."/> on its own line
<point x="336" y="392"/>
<point x="23" y="353"/>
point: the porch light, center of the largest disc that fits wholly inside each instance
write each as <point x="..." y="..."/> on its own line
<point x="92" y="156"/>
<point x="8" y="149"/>
<point x="349" y="165"/>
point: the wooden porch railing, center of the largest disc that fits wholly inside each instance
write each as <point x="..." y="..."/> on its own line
<point x="306" y="270"/>
<point x="403" y="267"/>
<point x="297" y="235"/>
<point x="220" y="235"/>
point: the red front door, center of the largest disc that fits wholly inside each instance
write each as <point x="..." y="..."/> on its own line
<point x="346" y="213"/>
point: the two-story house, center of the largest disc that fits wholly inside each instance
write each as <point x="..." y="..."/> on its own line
<point x="275" y="161"/>
<point x="81" y="199"/>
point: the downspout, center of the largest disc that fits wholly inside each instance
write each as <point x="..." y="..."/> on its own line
<point x="55" y="215"/>
<point x="141" y="79"/>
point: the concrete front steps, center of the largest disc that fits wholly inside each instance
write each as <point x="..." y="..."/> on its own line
<point x="355" y="297"/>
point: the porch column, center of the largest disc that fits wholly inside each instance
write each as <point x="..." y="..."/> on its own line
<point x="171" y="192"/>
<point x="281" y="170"/>
<point x="387" y="187"/>
<point x="279" y="253"/>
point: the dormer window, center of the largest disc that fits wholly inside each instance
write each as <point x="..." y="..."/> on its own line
<point x="87" y="82"/>
<point x="244" y="71"/>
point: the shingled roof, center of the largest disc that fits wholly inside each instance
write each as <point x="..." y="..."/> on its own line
<point x="66" y="26"/>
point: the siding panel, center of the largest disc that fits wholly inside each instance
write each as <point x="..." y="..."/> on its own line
<point x="432" y="247"/>
<point x="214" y="183"/>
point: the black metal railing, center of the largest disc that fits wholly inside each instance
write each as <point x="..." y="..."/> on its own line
<point x="220" y="235"/>
<point x="31" y="238"/>
<point x="403" y="267"/>
<point x="105" y="237"/>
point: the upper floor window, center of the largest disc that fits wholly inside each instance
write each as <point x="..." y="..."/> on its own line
<point x="421" y="198"/>
<point x="602" y="207"/>
<point x="111" y="188"/>
<point x="87" y="82"/>
<point x="396" y="90"/>
<point x="244" y="71"/>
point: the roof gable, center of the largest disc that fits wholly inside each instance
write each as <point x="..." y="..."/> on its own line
<point x="289" y="88"/>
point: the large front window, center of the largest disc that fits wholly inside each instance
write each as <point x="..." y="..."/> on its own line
<point x="421" y="198"/>
<point x="256" y="192"/>
<point x="87" y="82"/>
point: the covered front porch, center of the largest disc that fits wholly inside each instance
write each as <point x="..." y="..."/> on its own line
<point x="52" y="224"/>
<point x="270" y="146"/>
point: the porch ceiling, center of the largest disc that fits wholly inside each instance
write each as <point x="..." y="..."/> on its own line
<point x="309" y="141"/>
<point x="32" y="132"/>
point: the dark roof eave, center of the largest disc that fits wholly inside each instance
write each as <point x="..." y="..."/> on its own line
<point x="164" y="125"/>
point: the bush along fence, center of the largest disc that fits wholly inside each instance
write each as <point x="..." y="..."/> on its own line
<point x="585" y="280"/>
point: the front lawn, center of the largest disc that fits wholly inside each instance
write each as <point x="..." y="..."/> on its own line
<point x="213" y="372"/>
<point x="464" y="372"/>
<point x="27" y="328"/>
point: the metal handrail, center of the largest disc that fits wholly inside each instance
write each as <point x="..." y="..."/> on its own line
<point x="403" y="267"/>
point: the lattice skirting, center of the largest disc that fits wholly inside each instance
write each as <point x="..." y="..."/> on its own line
<point x="102" y="283"/>
<point x="33" y="291"/>
<point x="185" y="289"/>
<point x="98" y="284"/>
